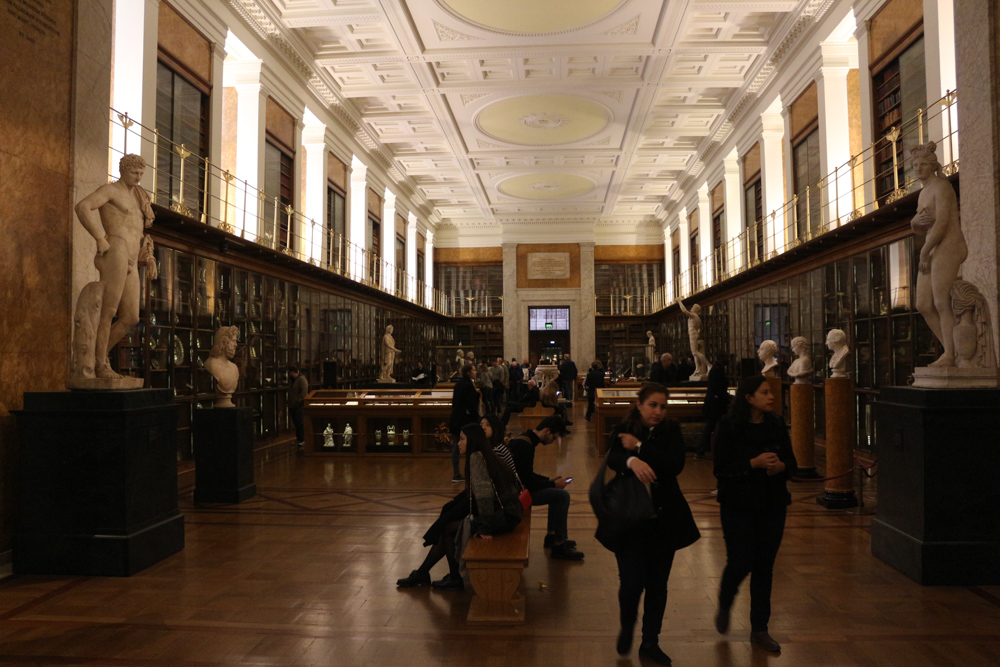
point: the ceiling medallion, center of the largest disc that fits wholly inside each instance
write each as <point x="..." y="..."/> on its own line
<point x="547" y="186"/>
<point x="544" y="121"/>
<point x="530" y="17"/>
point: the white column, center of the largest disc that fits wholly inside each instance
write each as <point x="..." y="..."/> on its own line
<point x="787" y="231"/>
<point x="389" y="242"/>
<point x="867" y="131"/>
<point x="217" y="184"/>
<point x="134" y="80"/>
<point x="684" y="226"/>
<point x="704" y="258"/>
<point x="733" y="194"/>
<point x="940" y="72"/>
<point x="251" y="110"/>
<point x="314" y="207"/>
<point x="429" y="268"/>
<point x="358" y="217"/>
<point x="772" y="183"/>
<point x="668" y="265"/>
<point x="835" y="130"/>
<point x="411" y="257"/>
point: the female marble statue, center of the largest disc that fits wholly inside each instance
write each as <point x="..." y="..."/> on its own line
<point x="697" y="344"/>
<point x="389" y="352"/>
<point x="943" y="251"/>
<point x="768" y="354"/>
<point x="328" y="436"/>
<point x="836" y="341"/>
<point x="219" y="364"/>
<point x="973" y="333"/>
<point x="801" y="369"/>
<point x="651" y="347"/>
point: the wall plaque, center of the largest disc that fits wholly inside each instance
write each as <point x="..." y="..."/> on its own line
<point x="548" y="266"/>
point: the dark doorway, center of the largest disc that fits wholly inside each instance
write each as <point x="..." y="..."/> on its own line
<point x="548" y="332"/>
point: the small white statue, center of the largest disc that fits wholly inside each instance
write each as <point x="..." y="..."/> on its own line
<point x="836" y="341"/>
<point x="378" y="438"/>
<point x="801" y="369"/>
<point x="348" y="435"/>
<point x="220" y="365"/>
<point x="391" y="435"/>
<point x="768" y="354"/>
<point x="701" y="365"/>
<point x="328" y="436"/>
<point x="944" y="248"/>
<point x="651" y="347"/>
<point x="406" y="437"/>
<point x="389" y="352"/>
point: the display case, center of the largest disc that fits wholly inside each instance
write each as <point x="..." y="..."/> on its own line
<point x="450" y="359"/>
<point x="378" y="421"/>
<point x="629" y="362"/>
<point x="613" y="405"/>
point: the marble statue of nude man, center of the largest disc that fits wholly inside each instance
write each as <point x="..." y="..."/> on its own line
<point x="694" y="339"/>
<point x="116" y="215"/>
<point x="943" y="252"/>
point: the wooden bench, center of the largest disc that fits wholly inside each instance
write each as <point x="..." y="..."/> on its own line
<point x="496" y="569"/>
<point x="538" y="410"/>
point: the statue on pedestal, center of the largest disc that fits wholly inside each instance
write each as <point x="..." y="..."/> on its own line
<point x="768" y="354"/>
<point x="701" y="365"/>
<point x="328" y="436"/>
<point x="220" y="365"/>
<point x="836" y="341"/>
<point x="651" y="347"/>
<point x="801" y="369"/>
<point x="973" y="333"/>
<point x="348" y="435"/>
<point x="115" y="215"/>
<point x="943" y="251"/>
<point x="389" y="352"/>
<point x="390" y="434"/>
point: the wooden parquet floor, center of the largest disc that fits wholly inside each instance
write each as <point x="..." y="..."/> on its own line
<point x="304" y="574"/>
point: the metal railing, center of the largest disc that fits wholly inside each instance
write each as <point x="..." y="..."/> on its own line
<point x="875" y="177"/>
<point x="189" y="184"/>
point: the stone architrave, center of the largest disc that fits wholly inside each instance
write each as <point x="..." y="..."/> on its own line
<point x="836" y="341"/>
<point x="115" y="215"/>
<point x="389" y="352"/>
<point x="221" y="366"/>
<point x="768" y="354"/>
<point x="701" y="365"/>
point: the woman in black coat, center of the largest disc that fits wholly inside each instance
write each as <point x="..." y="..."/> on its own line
<point x="753" y="460"/>
<point x="650" y="447"/>
<point x="464" y="410"/>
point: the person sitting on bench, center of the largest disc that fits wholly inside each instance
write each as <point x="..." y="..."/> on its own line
<point x="530" y="400"/>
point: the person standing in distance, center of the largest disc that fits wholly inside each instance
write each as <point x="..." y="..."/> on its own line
<point x="296" y="399"/>
<point x="464" y="410"/>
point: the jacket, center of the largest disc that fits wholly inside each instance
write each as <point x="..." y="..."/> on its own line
<point x="531" y="398"/>
<point x="663" y="375"/>
<point x="464" y="406"/>
<point x="716" y="394"/>
<point x="594" y="379"/>
<point x="738" y="442"/>
<point x="298" y="391"/>
<point x="568" y="371"/>
<point x="495" y="509"/>
<point x="663" y="449"/>
<point x="522" y="448"/>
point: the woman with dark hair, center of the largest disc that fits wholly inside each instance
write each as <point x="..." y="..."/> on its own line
<point x="753" y="460"/>
<point x="651" y="447"/>
<point x="494" y="428"/>
<point x="593" y="382"/>
<point x="464" y="410"/>
<point x="490" y="496"/>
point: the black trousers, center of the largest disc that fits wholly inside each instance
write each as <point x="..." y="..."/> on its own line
<point x="591" y="402"/>
<point x="705" y="444"/>
<point x="752" y="540"/>
<point x="644" y="562"/>
<point x="299" y="420"/>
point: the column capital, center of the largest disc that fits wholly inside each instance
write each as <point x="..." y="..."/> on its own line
<point x="314" y="134"/>
<point x="359" y="170"/>
<point x="389" y="198"/>
<point x="839" y="55"/>
<point x="772" y="124"/>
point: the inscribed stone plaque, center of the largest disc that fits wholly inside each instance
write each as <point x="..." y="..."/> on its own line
<point x="548" y="266"/>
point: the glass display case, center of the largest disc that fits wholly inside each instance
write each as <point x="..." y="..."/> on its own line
<point x="628" y="362"/>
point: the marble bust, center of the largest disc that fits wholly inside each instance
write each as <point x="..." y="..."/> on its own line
<point x="701" y="365"/>
<point x="801" y="369"/>
<point x="389" y="352"/>
<point x="836" y="341"/>
<point x="943" y="252"/>
<point x="116" y="215"/>
<point x="768" y="354"/>
<point x="973" y="335"/>
<point x="220" y="365"/>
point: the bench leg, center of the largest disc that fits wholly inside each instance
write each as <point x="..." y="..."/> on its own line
<point x="498" y="599"/>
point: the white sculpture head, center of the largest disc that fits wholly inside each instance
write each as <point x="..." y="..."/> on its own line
<point x="225" y="342"/>
<point x="131" y="168"/>
<point x="388" y="329"/>
<point x="925" y="161"/>
<point x="836" y="340"/>
<point x="800" y="346"/>
<point x="768" y="351"/>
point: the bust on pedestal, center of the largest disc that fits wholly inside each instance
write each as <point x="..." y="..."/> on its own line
<point x="803" y="405"/>
<point x="220" y="365"/>
<point x="838" y="392"/>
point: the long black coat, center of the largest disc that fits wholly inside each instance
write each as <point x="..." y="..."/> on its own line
<point x="738" y="442"/>
<point x="464" y="406"/>
<point x="663" y="449"/>
<point x="717" y="393"/>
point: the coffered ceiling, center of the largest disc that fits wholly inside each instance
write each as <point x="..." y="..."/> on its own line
<point x="500" y="112"/>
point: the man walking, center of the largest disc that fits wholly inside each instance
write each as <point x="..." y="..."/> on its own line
<point x="567" y="377"/>
<point x="296" y="400"/>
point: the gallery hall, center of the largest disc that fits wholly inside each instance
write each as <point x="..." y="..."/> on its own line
<point x="450" y="332"/>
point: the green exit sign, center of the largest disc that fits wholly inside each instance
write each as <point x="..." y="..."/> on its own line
<point x="548" y="325"/>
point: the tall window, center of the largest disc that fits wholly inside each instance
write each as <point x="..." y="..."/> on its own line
<point x="719" y="252"/>
<point x="401" y="276"/>
<point x="336" y="224"/>
<point x="900" y="90"/>
<point x="278" y="170"/>
<point x="181" y="119"/>
<point x="695" y="263"/>
<point x="421" y="268"/>
<point x="374" y="245"/>
<point x="676" y="254"/>
<point x="806" y="172"/>
<point x="753" y="213"/>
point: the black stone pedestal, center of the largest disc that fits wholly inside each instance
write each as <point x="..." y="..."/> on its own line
<point x="938" y="496"/>
<point x="98" y="482"/>
<point x="838" y="500"/>
<point x="223" y="455"/>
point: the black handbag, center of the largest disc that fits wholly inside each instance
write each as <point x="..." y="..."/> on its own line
<point x="621" y="505"/>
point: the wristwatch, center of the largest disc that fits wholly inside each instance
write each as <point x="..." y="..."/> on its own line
<point x="638" y="447"/>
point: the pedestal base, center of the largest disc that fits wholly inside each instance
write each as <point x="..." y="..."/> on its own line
<point x="838" y="500"/>
<point x="98" y="491"/>
<point x="938" y="501"/>
<point x="223" y="455"/>
<point x="949" y="377"/>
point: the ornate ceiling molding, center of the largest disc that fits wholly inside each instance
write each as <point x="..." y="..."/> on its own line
<point x="630" y="27"/>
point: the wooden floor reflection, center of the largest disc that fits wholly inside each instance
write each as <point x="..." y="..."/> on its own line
<point x="304" y="574"/>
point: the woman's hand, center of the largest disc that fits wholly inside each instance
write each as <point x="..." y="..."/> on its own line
<point x="778" y="466"/>
<point x="485" y="537"/>
<point x="765" y="460"/>
<point x="629" y="441"/>
<point x="642" y="470"/>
